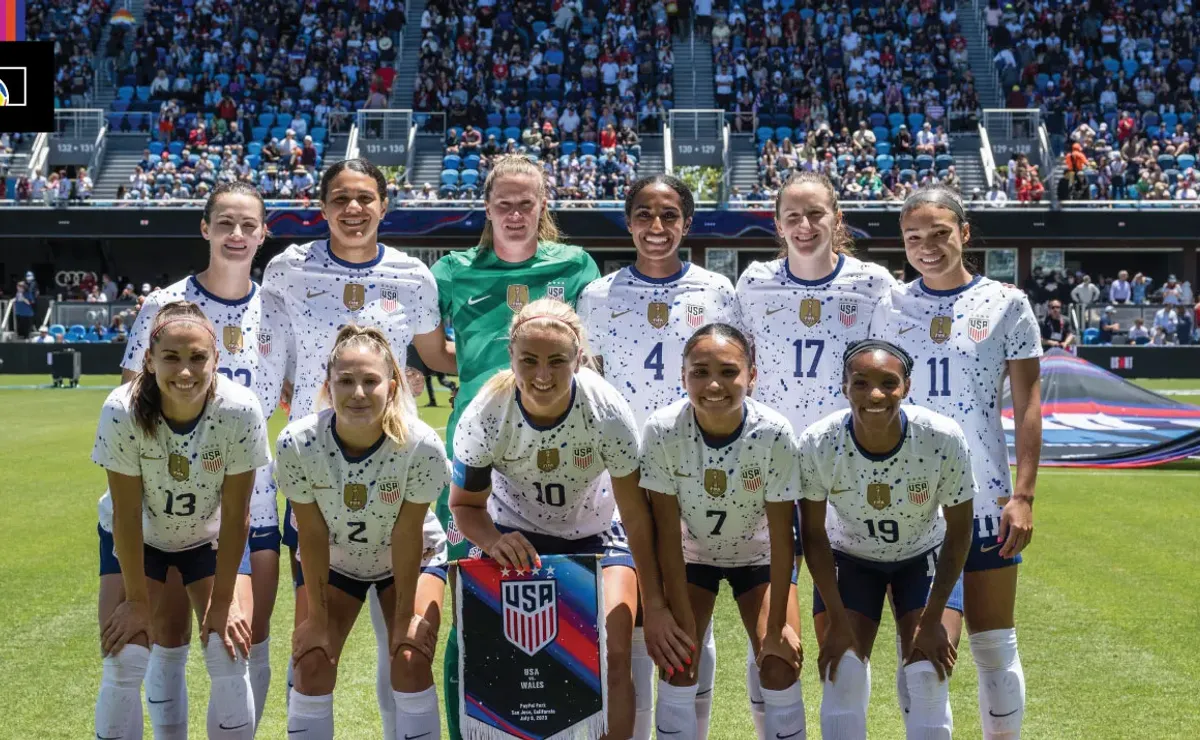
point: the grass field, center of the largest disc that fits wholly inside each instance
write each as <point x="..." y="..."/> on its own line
<point x="1108" y="614"/>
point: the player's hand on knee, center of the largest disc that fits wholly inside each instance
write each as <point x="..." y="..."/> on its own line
<point x="930" y="642"/>
<point x="839" y="637"/>
<point x="310" y="636"/>
<point x="128" y="620"/>
<point x="419" y="635"/>
<point x="231" y="624"/>
<point x="512" y="550"/>
<point x="783" y="644"/>
<point x="670" y="645"/>
<point x="1016" y="527"/>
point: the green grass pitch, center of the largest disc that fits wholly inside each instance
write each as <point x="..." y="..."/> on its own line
<point x="1108" y="611"/>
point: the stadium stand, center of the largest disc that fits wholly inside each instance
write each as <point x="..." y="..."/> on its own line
<point x="75" y="28"/>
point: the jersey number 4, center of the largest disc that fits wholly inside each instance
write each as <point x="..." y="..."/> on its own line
<point x="654" y="361"/>
<point x="815" y="348"/>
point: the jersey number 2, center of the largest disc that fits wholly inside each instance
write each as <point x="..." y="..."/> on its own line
<point x="654" y="361"/>
<point x="241" y="375"/>
<point x="356" y="532"/>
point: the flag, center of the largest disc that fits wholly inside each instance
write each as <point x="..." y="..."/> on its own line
<point x="12" y="20"/>
<point x="1121" y="362"/>
<point x="532" y="647"/>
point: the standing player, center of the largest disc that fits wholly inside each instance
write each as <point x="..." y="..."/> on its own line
<point x="883" y="472"/>
<point x="965" y="333"/>
<point x="181" y="445"/>
<point x="352" y="278"/>
<point x="638" y="320"/>
<point x="361" y="475"/>
<point x="541" y="456"/>
<point x="519" y="259"/>
<point x="725" y="465"/>
<point x="254" y="351"/>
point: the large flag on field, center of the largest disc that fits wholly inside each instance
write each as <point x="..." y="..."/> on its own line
<point x="1093" y="418"/>
<point x="532" y="650"/>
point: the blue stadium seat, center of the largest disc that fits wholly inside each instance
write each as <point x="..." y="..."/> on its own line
<point x="587" y="149"/>
<point x="916" y="121"/>
<point x="125" y="92"/>
<point x="1091" y="335"/>
<point x="881" y="133"/>
<point x="318" y="133"/>
<point x="1151" y="119"/>
<point x="1112" y="65"/>
<point x="143" y="93"/>
<point x="883" y="147"/>
<point x="783" y="132"/>
<point x="254" y="147"/>
<point x="943" y="161"/>
<point x="553" y="81"/>
<point x="120" y="106"/>
<point x="1185" y="161"/>
<point x="77" y="329"/>
<point x="156" y="148"/>
<point x="494" y="120"/>
<point x="493" y="131"/>
<point x="924" y="162"/>
<point x="538" y="27"/>
<point x="451" y="162"/>
<point x="1168" y="122"/>
<point x="512" y="120"/>
<point x="764" y="133"/>
<point x="58" y="330"/>
<point x="266" y="119"/>
<point x="1130" y="66"/>
<point x="449" y="177"/>
<point x="175" y="147"/>
<point x="568" y="147"/>
<point x="884" y="162"/>
<point x="320" y="147"/>
<point x="470" y="178"/>
<point x="254" y="160"/>
<point x="512" y="132"/>
<point x="1166" y="161"/>
<point x="876" y="119"/>
<point x="905" y="161"/>
<point x="471" y="162"/>
<point x="258" y="133"/>
<point x="895" y="119"/>
<point x="222" y="78"/>
<point x="278" y="132"/>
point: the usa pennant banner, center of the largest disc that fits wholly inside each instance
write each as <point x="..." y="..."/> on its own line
<point x="532" y="650"/>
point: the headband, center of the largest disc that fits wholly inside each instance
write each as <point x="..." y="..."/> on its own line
<point x="937" y="197"/>
<point x="870" y="345"/>
<point x="184" y="320"/>
<point x="559" y="319"/>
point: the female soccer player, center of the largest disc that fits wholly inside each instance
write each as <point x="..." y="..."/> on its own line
<point x="638" y="319"/>
<point x="181" y="445"/>
<point x="534" y="455"/>
<point x="253" y="351"/>
<point x="965" y="333"/>
<point x="883" y="472"/>
<point x="352" y="278"/>
<point x="361" y="475"/>
<point x="725" y="465"/>
<point x="519" y="258"/>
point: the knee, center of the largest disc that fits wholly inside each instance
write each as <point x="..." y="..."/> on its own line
<point x="411" y="671"/>
<point x="924" y="686"/>
<point x="172" y="628"/>
<point x="850" y="691"/>
<point x="314" y="674"/>
<point x="775" y="674"/>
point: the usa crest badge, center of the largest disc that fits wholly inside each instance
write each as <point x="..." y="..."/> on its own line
<point x="695" y="316"/>
<point x="232" y="338"/>
<point x="518" y="297"/>
<point x="354" y="495"/>
<point x="547" y="460"/>
<point x="848" y="313"/>
<point x="211" y="461"/>
<point x="714" y="482"/>
<point x="810" y="311"/>
<point x="264" y="344"/>
<point x="918" y="493"/>
<point x="389" y="299"/>
<point x="879" y="495"/>
<point x="556" y="291"/>
<point x="658" y="314"/>
<point x="389" y="491"/>
<point x="530" y="614"/>
<point x="354" y="296"/>
<point x="179" y="467"/>
<point x="752" y="479"/>
<point x="584" y="457"/>
<point x="453" y="534"/>
<point x="939" y="329"/>
<point x="978" y="328"/>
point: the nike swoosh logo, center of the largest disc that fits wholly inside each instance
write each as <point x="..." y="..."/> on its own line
<point x="619" y="314"/>
<point x="989" y="548"/>
<point x="1004" y="715"/>
<point x="160" y="701"/>
<point x="235" y="727"/>
<point x="682" y="475"/>
<point x="414" y="737"/>
<point x="147" y="457"/>
<point x="253" y="537"/>
<point x="836" y="491"/>
<point x="661" y="731"/>
<point x="771" y="311"/>
<point x="477" y="299"/>
<point x="315" y="293"/>
<point x="295" y="732"/>
<point x="783" y="737"/>
<point x="906" y="329"/>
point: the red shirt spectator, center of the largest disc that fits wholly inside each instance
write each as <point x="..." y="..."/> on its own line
<point x="500" y="70"/>
<point x="608" y="138"/>
<point x="227" y="109"/>
<point x="1125" y="127"/>
<point x="1076" y="161"/>
<point x="197" y="137"/>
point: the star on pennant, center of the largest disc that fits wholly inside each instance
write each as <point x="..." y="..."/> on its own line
<point x="504" y="572"/>
<point x="550" y="570"/>
<point x="533" y="571"/>
<point x="520" y="571"/>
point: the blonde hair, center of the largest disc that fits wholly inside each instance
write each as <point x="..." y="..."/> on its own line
<point x="145" y="405"/>
<point x="544" y="313"/>
<point x="395" y="412"/>
<point x="843" y="243"/>
<point x="518" y="165"/>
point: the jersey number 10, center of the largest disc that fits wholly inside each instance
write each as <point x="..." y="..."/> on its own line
<point x="554" y="494"/>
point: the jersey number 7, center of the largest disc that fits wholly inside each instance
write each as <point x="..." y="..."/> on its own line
<point x="720" y="515"/>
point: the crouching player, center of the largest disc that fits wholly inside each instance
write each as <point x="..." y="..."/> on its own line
<point x="360" y="476"/>
<point x="885" y="471"/>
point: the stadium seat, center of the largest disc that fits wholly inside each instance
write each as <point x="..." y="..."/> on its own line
<point x="894" y="120"/>
<point x="908" y="175"/>
<point x="266" y="119"/>
<point x="512" y="132"/>
<point x="318" y="133"/>
<point x="881" y="133"/>
<point x="568" y="147"/>
<point x="1091" y="335"/>
<point x="279" y="132"/>
<point x="58" y="330"/>
<point x="125" y="92"/>
<point x="905" y="162"/>
<point x="924" y="162"/>
<point x="156" y="148"/>
<point x="254" y="147"/>
<point x="883" y="147"/>
<point x="1166" y="161"/>
<point x="471" y="162"/>
<point x="449" y="177"/>
<point x="259" y="133"/>
<point x="143" y="93"/>
<point x="1130" y="66"/>
<point x="175" y="147"/>
<point x="1168" y="121"/>
<point x="588" y="148"/>
<point x="451" y="162"/>
<point x="783" y="132"/>
<point x="470" y="178"/>
<point x="494" y="120"/>
<point x="884" y="162"/>
<point x="513" y="120"/>
<point x="764" y="133"/>
<point x="916" y="121"/>
<point x="1185" y="161"/>
<point x="943" y="161"/>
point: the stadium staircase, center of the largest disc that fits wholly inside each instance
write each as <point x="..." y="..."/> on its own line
<point x="18" y="162"/>
<point x="427" y="160"/>
<point x="744" y="156"/>
<point x="120" y="157"/>
<point x="693" y="75"/>
<point x="408" y="58"/>
<point x="652" y="160"/>
<point x="979" y="53"/>
<point x="105" y="88"/>
<point x="968" y="163"/>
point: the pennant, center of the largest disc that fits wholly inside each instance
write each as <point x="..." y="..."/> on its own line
<point x="532" y="650"/>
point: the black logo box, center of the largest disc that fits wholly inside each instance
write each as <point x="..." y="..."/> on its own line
<point x="27" y="70"/>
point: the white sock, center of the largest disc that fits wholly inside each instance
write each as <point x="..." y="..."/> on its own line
<point x="643" y="686"/>
<point x="417" y="715"/>
<point x="311" y="716"/>
<point x="291" y="682"/>
<point x="705" y="680"/>
<point x="1001" y="683"/>
<point x="901" y="680"/>
<point x="758" y="708"/>
<point x="929" y="716"/>
<point x="118" y="705"/>
<point x="231" y="701"/>
<point x="784" y="713"/>
<point x="166" y="692"/>
<point x="844" y="702"/>
<point x="383" y="666"/>
<point x="675" y="713"/>
<point x="260" y="676"/>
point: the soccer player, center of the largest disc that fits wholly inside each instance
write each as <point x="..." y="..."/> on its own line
<point x="360" y="475"/>
<point x="880" y="472"/>
<point x="724" y="465"/>
<point x="253" y="351"/>
<point x="965" y="333"/>
<point x="638" y="320"/>
<point x="352" y="278"/>
<point x="540" y="457"/>
<point x="519" y="258"/>
<point x="181" y="445"/>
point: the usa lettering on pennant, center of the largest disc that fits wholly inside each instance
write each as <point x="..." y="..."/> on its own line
<point x="530" y="614"/>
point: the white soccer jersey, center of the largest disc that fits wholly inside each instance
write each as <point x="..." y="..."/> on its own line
<point x="959" y="341"/>
<point x="722" y="486"/>
<point x="639" y="325"/>
<point x="393" y="292"/>
<point x="885" y="507"/>
<point x="254" y="341"/>
<point x="182" y="473"/>
<point x="360" y="497"/>
<point x="552" y="480"/>
<point x="801" y="329"/>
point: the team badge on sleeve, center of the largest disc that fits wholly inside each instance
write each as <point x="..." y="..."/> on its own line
<point x="584" y="457"/>
<point x="354" y="495"/>
<point x="939" y="329"/>
<point x="211" y="460"/>
<point x="658" y="313"/>
<point x="264" y="344"/>
<point x="530" y="614"/>
<point x="232" y="336"/>
<point x="978" y="327"/>
<point x="354" y="296"/>
<point x="389" y="299"/>
<point x="714" y="482"/>
<point x="179" y="467"/>
<point x="518" y="297"/>
<point x="810" y="311"/>
<point x="556" y="291"/>
<point x="389" y="491"/>
<point x="918" y="492"/>
<point x="695" y="316"/>
<point x="752" y="479"/>
<point x="879" y="495"/>
<point x="848" y="313"/>
<point x="547" y="460"/>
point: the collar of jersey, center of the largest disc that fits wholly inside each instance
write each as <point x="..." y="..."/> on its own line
<point x="223" y="301"/>
<point x="354" y="265"/>
<point x="342" y="448"/>
<point x="890" y="453"/>
<point x="716" y="443"/>
<point x="819" y="281"/>
<point x="187" y="428"/>
<point x="951" y="291"/>
<point x="660" y="281"/>
<point x="488" y="257"/>
<point x="538" y="427"/>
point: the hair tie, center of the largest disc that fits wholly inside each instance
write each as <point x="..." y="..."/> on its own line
<point x="938" y="198"/>
<point x="559" y="319"/>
